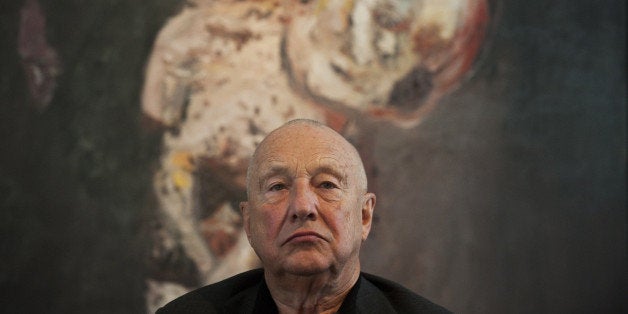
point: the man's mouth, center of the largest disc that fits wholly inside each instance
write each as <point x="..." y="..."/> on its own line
<point x="304" y="236"/>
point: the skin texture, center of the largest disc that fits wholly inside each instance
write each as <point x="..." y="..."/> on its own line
<point x="307" y="214"/>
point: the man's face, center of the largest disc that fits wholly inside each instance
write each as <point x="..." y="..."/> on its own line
<point x="308" y="210"/>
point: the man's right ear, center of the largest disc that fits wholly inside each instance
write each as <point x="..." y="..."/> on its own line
<point x="244" y="208"/>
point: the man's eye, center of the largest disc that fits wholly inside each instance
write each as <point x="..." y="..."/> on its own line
<point x="328" y="185"/>
<point x="277" y="187"/>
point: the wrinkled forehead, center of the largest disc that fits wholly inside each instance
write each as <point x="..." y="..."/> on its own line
<point x="295" y="161"/>
<point x="304" y="145"/>
<point x="309" y="147"/>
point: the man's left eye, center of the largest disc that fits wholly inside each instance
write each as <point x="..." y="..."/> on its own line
<point x="328" y="185"/>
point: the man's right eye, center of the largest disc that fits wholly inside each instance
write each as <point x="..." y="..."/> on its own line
<point x="277" y="187"/>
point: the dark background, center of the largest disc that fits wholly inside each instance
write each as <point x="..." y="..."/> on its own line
<point x="509" y="198"/>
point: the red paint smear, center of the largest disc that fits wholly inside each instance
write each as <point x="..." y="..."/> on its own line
<point x="468" y="40"/>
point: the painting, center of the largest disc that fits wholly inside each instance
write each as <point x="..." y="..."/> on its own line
<point x="223" y="74"/>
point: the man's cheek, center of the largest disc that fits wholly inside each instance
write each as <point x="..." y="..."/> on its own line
<point x="265" y="228"/>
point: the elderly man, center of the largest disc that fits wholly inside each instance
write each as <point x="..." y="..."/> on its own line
<point x="307" y="214"/>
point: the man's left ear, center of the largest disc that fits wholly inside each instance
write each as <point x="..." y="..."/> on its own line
<point x="368" y="206"/>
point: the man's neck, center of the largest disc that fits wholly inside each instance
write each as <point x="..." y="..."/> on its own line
<point x="319" y="293"/>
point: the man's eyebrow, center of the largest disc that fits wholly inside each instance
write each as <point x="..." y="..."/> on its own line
<point x="273" y="170"/>
<point x="331" y="170"/>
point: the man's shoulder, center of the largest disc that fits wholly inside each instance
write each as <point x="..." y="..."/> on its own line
<point x="214" y="298"/>
<point x="402" y="299"/>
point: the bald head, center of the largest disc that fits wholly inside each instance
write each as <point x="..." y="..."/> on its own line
<point x="295" y="135"/>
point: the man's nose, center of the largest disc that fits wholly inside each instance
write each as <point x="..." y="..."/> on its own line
<point x="303" y="202"/>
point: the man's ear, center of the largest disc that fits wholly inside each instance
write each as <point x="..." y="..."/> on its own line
<point x="244" y="208"/>
<point x="368" y="206"/>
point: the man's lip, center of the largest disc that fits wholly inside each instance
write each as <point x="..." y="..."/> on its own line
<point x="303" y="234"/>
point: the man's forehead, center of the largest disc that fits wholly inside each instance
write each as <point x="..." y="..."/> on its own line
<point x="310" y="163"/>
<point x="311" y="148"/>
<point x="298" y="140"/>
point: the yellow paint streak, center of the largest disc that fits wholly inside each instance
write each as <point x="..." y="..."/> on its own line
<point x="181" y="179"/>
<point x="183" y="163"/>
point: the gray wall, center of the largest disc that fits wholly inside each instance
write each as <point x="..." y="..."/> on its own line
<point x="509" y="198"/>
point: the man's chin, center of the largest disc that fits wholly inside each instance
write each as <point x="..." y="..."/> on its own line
<point x="306" y="267"/>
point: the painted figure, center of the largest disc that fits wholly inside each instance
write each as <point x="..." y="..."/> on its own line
<point x="222" y="74"/>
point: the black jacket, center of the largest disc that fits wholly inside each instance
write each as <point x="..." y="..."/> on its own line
<point x="248" y="293"/>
